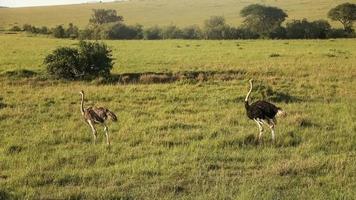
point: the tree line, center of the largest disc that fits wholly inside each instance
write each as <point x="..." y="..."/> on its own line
<point x="259" y="22"/>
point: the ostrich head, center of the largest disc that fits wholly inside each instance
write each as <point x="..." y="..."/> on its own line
<point x="81" y="92"/>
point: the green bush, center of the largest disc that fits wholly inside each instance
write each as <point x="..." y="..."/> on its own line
<point x="303" y="29"/>
<point x="338" y="33"/>
<point x="59" y="32"/>
<point x="152" y="33"/>
<point x="95" y="59"/>
<point x="171" y="32"/>
<point x="90" y="60"/>
<point x="72" y="31"/>
<point x="192" y="32"/>
<point x="87" y="34"/>
<point x="120" y="30"/>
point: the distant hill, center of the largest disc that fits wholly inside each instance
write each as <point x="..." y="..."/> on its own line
<point x="162" y="12"/>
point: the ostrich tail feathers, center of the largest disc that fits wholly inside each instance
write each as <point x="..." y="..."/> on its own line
<point x="111" y="116"/>
<point x="281" y="113"/>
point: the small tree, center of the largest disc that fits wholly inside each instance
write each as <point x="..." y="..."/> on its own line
<point x="344" y="13"/>
<point x="90" y="60"/>
<point x="263" y="19"/>
<point x="103" y="16"/>
<point x="216" y="28"/>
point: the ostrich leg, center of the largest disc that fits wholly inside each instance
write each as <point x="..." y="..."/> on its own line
<point x="93" y="130"/>
<point x="106" y="129"/>
<point x="260" y="127"/>
<point x="271" y="125"/>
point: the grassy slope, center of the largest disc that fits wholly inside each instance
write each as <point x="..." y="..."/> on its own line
<point x="179" y="55"/>
<point x="161" y="12"/>
<point x="184" y="141"/>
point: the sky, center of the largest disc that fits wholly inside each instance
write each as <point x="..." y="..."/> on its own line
<point x="26" y="3"/>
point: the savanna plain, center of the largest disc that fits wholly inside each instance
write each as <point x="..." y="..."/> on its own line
<point x="184" y="139"/>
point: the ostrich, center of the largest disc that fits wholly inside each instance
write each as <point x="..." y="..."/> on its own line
<point x="93" y="115"/>
<point x="262" y="112"/>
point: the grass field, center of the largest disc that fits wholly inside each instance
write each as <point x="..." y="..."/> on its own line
<point x="163" y="12"/>
<point x="187" y="139"/>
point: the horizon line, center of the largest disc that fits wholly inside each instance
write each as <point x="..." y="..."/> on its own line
<point x="64" y="4"/>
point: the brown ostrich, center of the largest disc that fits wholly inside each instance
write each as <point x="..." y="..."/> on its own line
<point x="94" y="115"/>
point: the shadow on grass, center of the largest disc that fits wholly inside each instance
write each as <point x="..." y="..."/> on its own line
<point x="5" y="194"/>
<point x="22" y="73"/>
<point x="2" y="105"/>
<point x="14" y="149"/>
<point x="285" y="140"/>
<point x="267" y="93"/>
<point x="139" y="78"/>
<point x="156" y="77"/>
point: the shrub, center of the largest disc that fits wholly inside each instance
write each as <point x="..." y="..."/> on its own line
<point x="337" y="33"/>
<point x="192" y="32"/>
<point x="302" y="29"/>
<point x="120" y="31"/>
<point x="278" y="33"/>
<point x="152" y="33"/>
<point x="72" y="31"/>
<point x="44" y="30"/>
<point x="171" y="32"/>
<point x="15" y="28"/>
<point x="245" y="33"/>
<point x="31" y="29"/>
<point x="26" y="27"/>
<point x="64" y="63"/>
<point x="59" y="32"/>
<point x="86" y="34"/>
<point x="95" y="59"/>
<point x="91" y="60"/>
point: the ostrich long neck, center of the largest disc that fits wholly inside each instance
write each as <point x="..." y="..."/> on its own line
<point x="82" y="104"/>
<point x="249" y="92"/>
<point x="248" y="95"/>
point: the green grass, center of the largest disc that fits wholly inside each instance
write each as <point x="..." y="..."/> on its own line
<point x="193" y="55"/>
<point x="184" y="140"/>
<point x="161" y="12"/>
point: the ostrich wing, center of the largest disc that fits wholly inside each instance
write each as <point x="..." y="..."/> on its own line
<point x="266" y="108"/>
<point x="105" y="113"/>
<point x="112" y="116"/>
<point x="91" y="114"/>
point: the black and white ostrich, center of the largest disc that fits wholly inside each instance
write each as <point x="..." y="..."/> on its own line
<point x="262" y="112"/>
